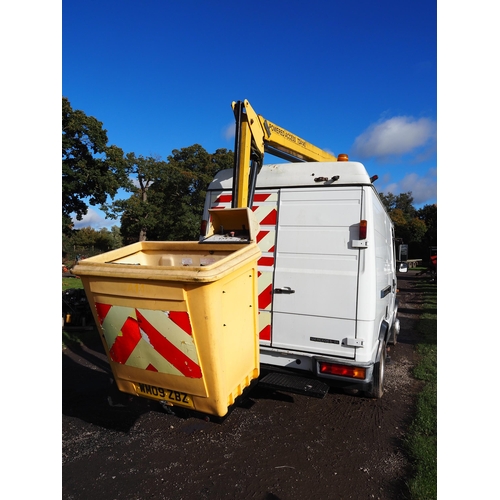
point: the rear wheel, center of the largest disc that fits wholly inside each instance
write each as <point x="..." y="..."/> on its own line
<point x="377" y="389"/>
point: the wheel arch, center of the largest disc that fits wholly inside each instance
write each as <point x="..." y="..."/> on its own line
<point x="383" y="336"/>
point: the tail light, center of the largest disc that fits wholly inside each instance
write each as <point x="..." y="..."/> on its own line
<point x="342" y="370"/>
<point x="362" y="229"/>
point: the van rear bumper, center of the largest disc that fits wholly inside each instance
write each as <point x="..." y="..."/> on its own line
<point x="304" y="363"/>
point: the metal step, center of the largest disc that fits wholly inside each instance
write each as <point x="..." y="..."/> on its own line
<point x="295" y="384"/>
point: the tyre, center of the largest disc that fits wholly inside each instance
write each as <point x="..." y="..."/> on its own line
<point x="377" y="389"/>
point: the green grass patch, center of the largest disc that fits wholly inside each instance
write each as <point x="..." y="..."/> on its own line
<point x="422" y="436"/>
<point x="71" y="283"/>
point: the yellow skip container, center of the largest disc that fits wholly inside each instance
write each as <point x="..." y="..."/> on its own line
<point x="179" y="320"/>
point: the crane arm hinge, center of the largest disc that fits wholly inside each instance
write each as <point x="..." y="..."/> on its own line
<point x="254" y="136"/>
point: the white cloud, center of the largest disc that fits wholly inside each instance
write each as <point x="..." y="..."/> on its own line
<point x="135" y="182"/>
<point x="396" y="136"/>
<point x="229" y="131"/>
<point x="95" y="219"/>
<point x="423" y="188"/>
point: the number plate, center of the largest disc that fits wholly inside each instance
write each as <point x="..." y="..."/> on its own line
<point x="174" y="397"/>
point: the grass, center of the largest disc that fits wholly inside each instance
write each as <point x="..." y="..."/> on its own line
<point x="422" y="436"/>
<point x="71" y="283"/>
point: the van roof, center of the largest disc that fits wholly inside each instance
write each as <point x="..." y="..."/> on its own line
<point x="300" y="174"/>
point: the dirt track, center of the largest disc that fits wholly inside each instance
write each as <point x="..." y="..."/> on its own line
<point x="273" y="446"/>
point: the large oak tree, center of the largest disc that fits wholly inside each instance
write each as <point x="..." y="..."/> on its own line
<point x="91" y="170"/>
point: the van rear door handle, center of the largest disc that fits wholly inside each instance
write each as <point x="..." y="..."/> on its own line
<point x="285" y="289"/>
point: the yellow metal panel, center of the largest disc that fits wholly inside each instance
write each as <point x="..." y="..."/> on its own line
<point x="284" y="140"/>
<point x="138" y="289"/>
<point x="244" y="166"/>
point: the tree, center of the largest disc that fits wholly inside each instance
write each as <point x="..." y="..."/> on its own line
<point x="140" y="214"/>
<point x="403" y="202"/>
<point x="192" y="170"/>
<point x="87" y="241"/>
<point x="428" y="214"/>
<point x="417" y="228"/>
<point x="174" y="204"/>
<point x="90" y="168"/>
<point x="116" y="238"/>
<point x="404" y="216"/>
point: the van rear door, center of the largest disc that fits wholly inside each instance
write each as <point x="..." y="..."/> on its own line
<point x="316" y="270"/>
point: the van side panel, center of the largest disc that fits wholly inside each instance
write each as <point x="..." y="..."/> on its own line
<point x="376" y="278"/>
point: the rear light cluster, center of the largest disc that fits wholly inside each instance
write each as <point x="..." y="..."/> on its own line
<point x="342" y="370"/>
<point x="362" y="229"/>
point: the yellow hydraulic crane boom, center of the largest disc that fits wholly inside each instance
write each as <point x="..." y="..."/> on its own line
<point x="255" y="136"/>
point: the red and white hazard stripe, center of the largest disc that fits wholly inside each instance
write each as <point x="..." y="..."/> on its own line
<point x="159" y="341"/>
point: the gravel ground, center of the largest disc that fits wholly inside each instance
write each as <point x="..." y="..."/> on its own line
<point x="274" y="445"/>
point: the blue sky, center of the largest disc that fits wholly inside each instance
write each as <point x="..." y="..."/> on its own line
<point x="350" y="77"/>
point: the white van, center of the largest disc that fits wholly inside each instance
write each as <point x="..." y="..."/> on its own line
<point x="327" y="275"/>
